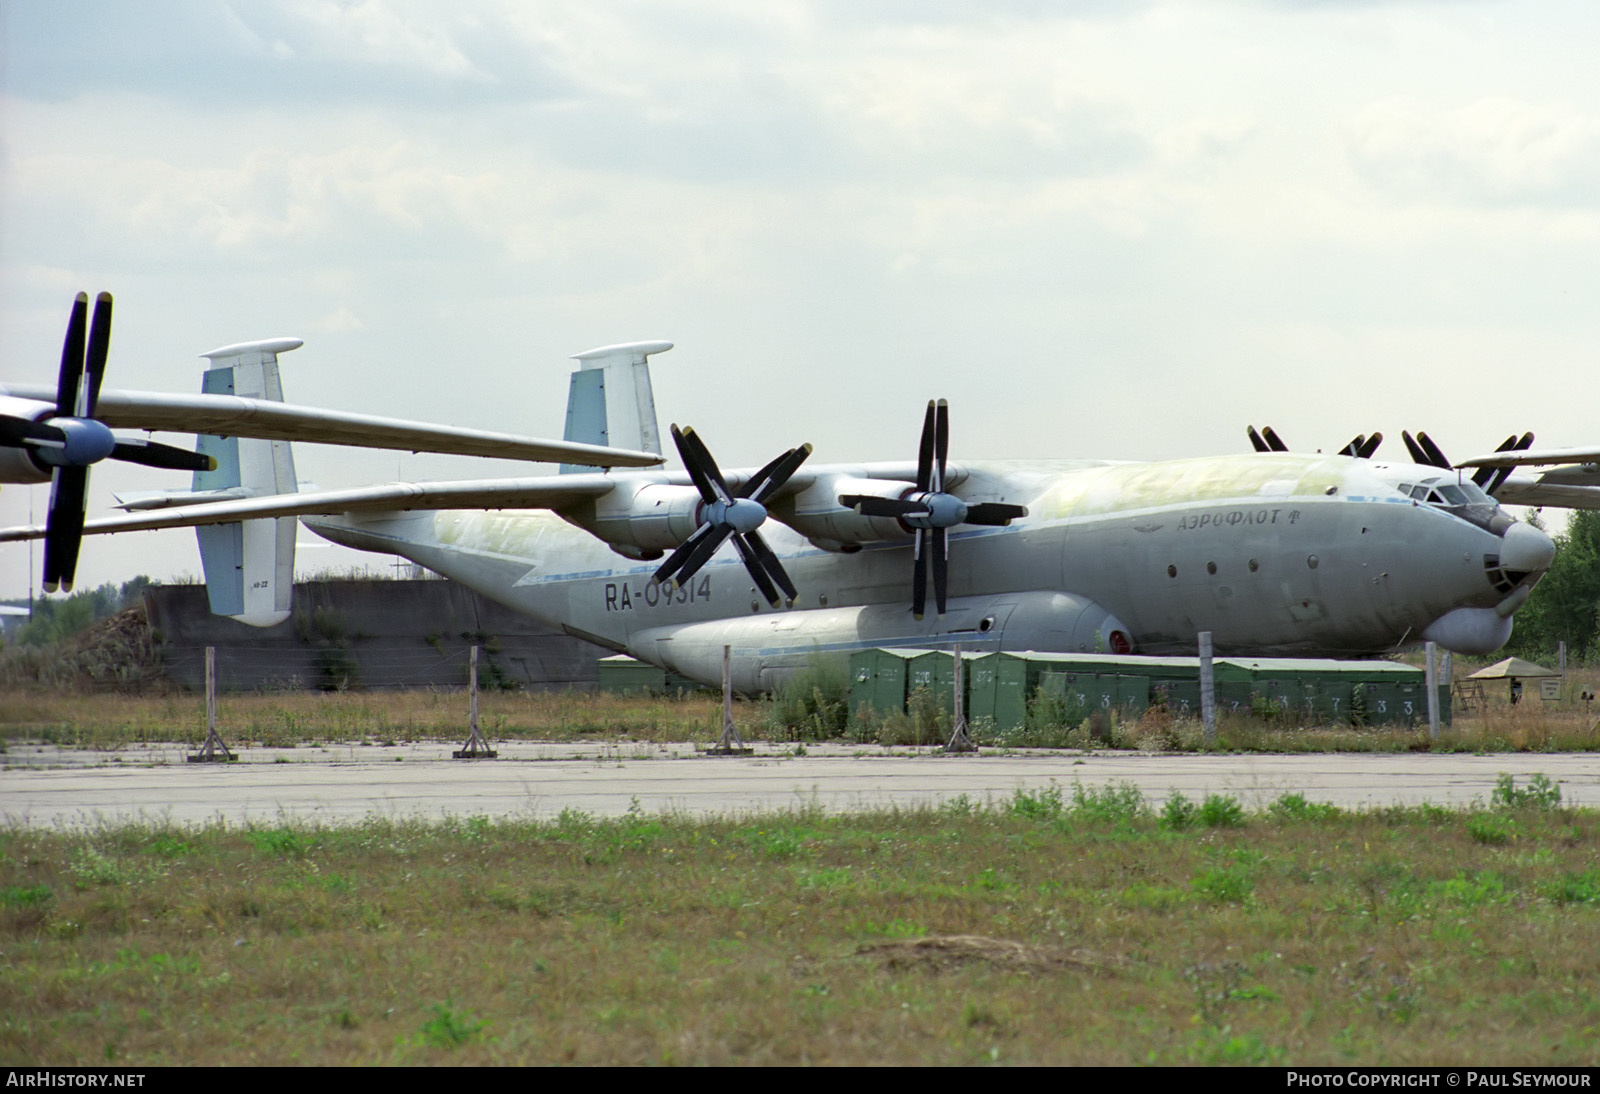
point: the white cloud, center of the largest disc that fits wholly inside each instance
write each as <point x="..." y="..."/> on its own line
<point x="1492" y="151"/>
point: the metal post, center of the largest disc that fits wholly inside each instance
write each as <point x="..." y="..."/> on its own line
<point x="213" y="750"/>
<point x="1430" y="655"/>
<point x="1208" y="691"/>
<point x="1561" y="658"/>
<point x="211" y="693"/>
<point x="960" y="739"/>
<point x="731" y="743"/>
<point x="477" y="747"/>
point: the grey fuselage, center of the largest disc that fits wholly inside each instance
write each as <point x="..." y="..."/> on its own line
<point x="1274" y="554"/>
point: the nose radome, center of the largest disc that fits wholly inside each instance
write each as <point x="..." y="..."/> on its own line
<point x="1526" y="549"/>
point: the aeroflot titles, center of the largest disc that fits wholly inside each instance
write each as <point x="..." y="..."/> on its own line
<point x="1235" y="516"/>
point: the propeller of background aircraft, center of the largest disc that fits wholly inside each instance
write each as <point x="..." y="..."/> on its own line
<point x="72" y="439"/>
<point x="1489" y="479"/>
<point x="1268" y="441"/>
<point x="929" y="511"/>
<point x="1421" y="447"/>
<point x="726" y="514"/>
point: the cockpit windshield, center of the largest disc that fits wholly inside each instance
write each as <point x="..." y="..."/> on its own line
<point x="1463" y="498"/>
<point x="1447" y="494"/>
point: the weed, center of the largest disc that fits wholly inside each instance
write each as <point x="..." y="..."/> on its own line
<point x="1294" y="807"/>
<point x="25" y="896"/>
<point x="1179" y="812"/>
<point x="1579" y="888"/>
<point x="1540" y="793"/>
<point x="449" y="1028"/>
<point x="1115" y="803"/>
<point x="1491" y="828"/>
<point x="1226" y="884"/>
<point x="281" y="841"/>
<point x="1043" y="804"/>
<point x="1221" y="811"/>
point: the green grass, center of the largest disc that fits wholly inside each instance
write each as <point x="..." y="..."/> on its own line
<point x="1065" y="925"/>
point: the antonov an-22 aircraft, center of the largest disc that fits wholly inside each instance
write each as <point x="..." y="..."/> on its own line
<point x="1273" y="552"/>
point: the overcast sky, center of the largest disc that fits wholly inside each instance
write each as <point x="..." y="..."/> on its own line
<point x="1099" y="228"/>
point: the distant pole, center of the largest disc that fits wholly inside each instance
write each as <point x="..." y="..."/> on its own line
<point x="960" y="739"/>
<point x="1447" y="667"/>
<point x="1208" y="691"/>
<point x="1561" y="658"/>
<point x="477" y="746"/>
<point x="1431" y="678"/>
<point x="472" y="686"/>
<point x="213" y="750"/>
<point x="211" y="693"/>
<point x="731" y="743"/>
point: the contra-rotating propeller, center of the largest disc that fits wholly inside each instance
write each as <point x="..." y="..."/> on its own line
<point x="72" y="439"/>
<point x="1362" y="446"/>
<point x="928" y="511"/>
<point x="727" y="514"/>
<point x="1489" y="479"/>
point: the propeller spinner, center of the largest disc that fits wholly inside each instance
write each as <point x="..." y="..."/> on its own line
<point x="728" y="515"/>
<point x="928" y="511"/>
<point x="72" y="439"/>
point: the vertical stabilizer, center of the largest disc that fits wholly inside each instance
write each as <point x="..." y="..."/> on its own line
<point x="249" y="566"/>
<point x="610" y="401"/>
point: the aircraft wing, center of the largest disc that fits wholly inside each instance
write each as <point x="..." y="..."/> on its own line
<point x="237" y="416"/>
<point x="1556" y="488"/>
<point x="1535" y="456"/>
<point x="548" y="492"/>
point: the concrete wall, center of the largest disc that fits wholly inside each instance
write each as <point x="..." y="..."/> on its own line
<point x="372" y="634"/>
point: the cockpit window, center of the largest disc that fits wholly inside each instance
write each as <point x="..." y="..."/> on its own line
<point x="1453" y="495"/>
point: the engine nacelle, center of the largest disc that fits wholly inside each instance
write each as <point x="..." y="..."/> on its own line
<point x="15" y="463"/>
<point x="17" y="466"/>
<point x="654" y="518"/>
<point x="816" y="513"/>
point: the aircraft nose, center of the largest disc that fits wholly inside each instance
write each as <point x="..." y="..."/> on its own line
<point x="1526" y="550"/>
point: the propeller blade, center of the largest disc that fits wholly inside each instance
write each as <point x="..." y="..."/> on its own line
<point x="72" y="359"/>
<point x="701" y="467"/>
<point x="1273" y="440"/>
<point x="869" y="505"/>
<point x="24" y="432"/>
<point x="701" y="553"/>
<point x="1255" y="440"/>
<point x="994" y="513"/>
<point x="758" y="573"/>
<point x="1522" y="444"/>
<point x="94" y="366"/>
<point x="1353" y="448"/>
<point x="1485" y="475"/>
<point x="69" y="498"/>
<point x="941" y="444"/>
<point x="1417" y="454"/>
<point x="154" y="454"/>
<point x="941" y="567"/>
<point x="773" y="567"/>
<point x="1435" y="455"/>
<point x="776" y="473"/>
<point x="1366" y="451"/>
<point x="760" y="478"/>
<point x="919" y="578"/>
<point x="680" y="555"/>
<point x="925" y="452"/>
